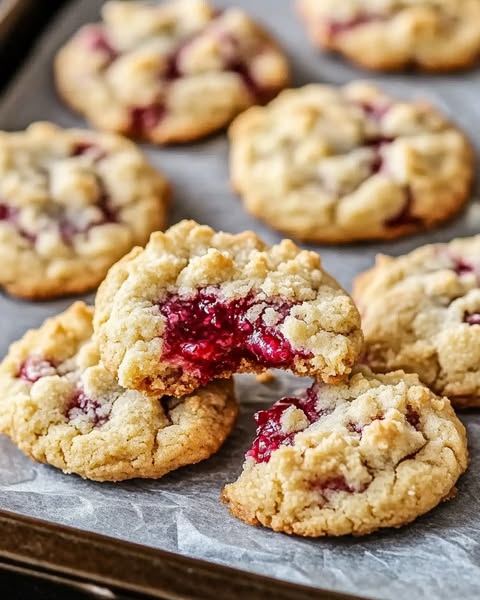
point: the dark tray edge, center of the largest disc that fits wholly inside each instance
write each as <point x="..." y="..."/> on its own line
<point x="107" y="562"/>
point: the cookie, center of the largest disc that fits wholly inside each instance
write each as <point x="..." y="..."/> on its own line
<point x="421" y="313"/>
<point x="339" y="164"/>
<point x="60" y="406"/>
<point x="72" y="202"/>
<point x="391" y="35"/>
<point x="171" y="72"/>
<point x="196" y="305"/>
<point x="377" y="451"/>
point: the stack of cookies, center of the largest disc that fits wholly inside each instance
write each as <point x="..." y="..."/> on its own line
<point x="142" y="383"/>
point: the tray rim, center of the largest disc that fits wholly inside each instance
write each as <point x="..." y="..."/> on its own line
<point x="91" y="558"/>
<point x="10" y="12"/>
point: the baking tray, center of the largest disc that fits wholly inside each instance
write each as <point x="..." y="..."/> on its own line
<point x="436" y="557"/>
<point x="10" y="13"/>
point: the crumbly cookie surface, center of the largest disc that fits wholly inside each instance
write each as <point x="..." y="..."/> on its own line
<point x="170" y="72"/>
<point x="60" y="406"/>
<point x="72" y="202"/>
<point x="377" y="451"/>
<point x="421" y="313"/>
<point x="196" y="305"/>
<point x="433" y="35"/>
<point x="337" y="164"/>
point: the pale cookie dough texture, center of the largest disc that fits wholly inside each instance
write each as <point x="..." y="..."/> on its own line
<point x="377" y="451"/>
<point x="421" y="313"/>
<point x="72" y="202"/>
<point x="338" y="164"/>
<point x="169" y="72"/>
<point x="196" y="305"/>
<point x="60" y="406"/>
<point x="390" y="35"/>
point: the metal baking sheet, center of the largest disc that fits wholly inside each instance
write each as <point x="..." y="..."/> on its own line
<point x="436" y="557"/>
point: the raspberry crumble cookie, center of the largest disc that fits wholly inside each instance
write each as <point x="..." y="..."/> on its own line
<point x="338" y="164"/>
<point x="60" y="406"/>
<point x="170" y="72"/>
<point x="377" y="451"/>
<point x="433" y="35"/>
<point x="421" y="313"/>
<point x="72" y="202"/>
<point x="196" y="305"/>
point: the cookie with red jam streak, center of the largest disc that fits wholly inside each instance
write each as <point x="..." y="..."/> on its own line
<point x="340" y="164"/>
<point x="171" y="72"/>
<point x="394" y="36"/>
<point x="60" y="406"/>
<point x="72" y="202"/>
<point x="421" y="313"/>
<point x="196" y="305"/>
<point x="376" y="451"/>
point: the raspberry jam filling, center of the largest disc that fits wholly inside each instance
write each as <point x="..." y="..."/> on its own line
<point x="412" y="417"/>
<point x="270" y="435"/>
<point x="82" y="405"/>
<point x="206" y="335"/>
<point x="337" y="28"/>
<point x="34" y="368"/>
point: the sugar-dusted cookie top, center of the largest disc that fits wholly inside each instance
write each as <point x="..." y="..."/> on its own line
<point x="169" y="72"/>
<point x="338" y="164"/>
<point x="376" y="451"/>
<point x="432" y="35"/>
<point x="421" y="313"/>
<point x="72" y="202"/>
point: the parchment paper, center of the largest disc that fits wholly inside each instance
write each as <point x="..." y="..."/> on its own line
<point x="436" y="557"/>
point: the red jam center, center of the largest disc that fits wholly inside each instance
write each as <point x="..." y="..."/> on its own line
<point x="270" y="435"/>
<point x="206" y="335"/>
<point x="92" y="409"/>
